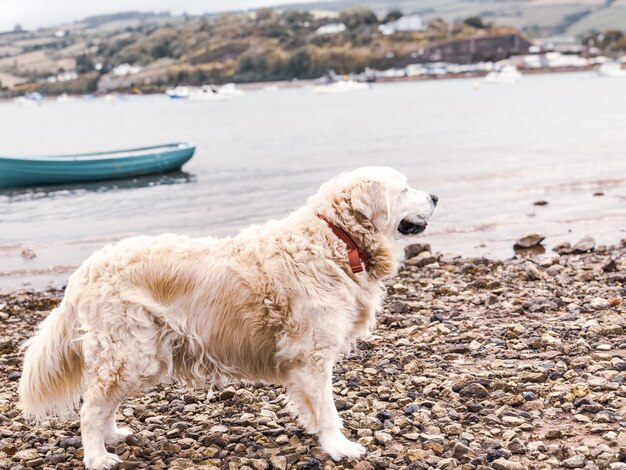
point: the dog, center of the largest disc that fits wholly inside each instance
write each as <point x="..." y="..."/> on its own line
<point x="278" y="303"/>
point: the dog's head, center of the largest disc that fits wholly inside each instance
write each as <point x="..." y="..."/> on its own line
<point x="378" y="199"/>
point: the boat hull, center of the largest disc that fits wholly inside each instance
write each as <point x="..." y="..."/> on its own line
<point x="35" y="171"/>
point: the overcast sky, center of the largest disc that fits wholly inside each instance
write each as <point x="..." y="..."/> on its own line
<point x="32" y="14"/>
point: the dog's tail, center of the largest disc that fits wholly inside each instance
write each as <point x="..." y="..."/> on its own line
<point x="53" y="367"/>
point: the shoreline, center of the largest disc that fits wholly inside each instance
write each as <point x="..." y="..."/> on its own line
<point x="302" y="83"/>
<point x="505" y="364"/>
<point x="54" y="278"/>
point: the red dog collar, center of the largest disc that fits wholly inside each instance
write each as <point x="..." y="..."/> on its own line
<point x="357" y="257"/>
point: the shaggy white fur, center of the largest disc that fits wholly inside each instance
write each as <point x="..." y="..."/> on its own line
<point x="277" y="303"/>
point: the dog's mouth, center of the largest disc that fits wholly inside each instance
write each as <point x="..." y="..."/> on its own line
<point x="407" y="227"/>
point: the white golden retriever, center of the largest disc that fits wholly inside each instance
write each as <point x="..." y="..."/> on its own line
<point x="278" y="303"/>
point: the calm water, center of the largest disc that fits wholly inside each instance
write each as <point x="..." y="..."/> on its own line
<point x="488" y="153"/>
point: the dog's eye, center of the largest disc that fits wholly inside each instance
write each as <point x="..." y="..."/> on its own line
<point x="405" y="190"/>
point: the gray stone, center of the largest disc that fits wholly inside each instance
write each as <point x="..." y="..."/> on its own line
<point x="474" y="390"/>
<point x="578" y="461"/>
<point x="505" y="464"/>
<point x="382" y="437"/>
<point x="278" y="462"/>
<point x="227" y="393"/>
<point x="584" y="245"/>
<point x="529" y="240"/>
<point x="27" y="253"/>
<point x="26" y="454"/>
<point x="415" y="249"/>
<point x="563" y="248"/>
<point x="461" y="451"/>
<point x="599" y="303"/>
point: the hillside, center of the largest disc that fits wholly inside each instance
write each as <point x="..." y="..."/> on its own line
<point x="164" y="50"/>
<point x="156" y="50"/>
<point x="535" y="17"/>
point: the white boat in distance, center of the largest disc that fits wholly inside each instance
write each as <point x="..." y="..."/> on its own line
<point x="229" y="90"/>
<point x="341" y="86"/>
<point x="65" y="98"/>
<point x="506" y="74"/>
<point x="29" y="100"/>
<point x="178" y="93"/>
<point x="611" y="70"/>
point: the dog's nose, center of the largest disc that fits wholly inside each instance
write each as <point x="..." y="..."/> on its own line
<point x="434" y="199"/>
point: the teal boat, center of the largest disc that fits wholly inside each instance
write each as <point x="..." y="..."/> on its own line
<point x="60" y="169"/>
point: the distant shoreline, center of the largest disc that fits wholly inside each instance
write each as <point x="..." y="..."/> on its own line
<point x="287" y="84"/>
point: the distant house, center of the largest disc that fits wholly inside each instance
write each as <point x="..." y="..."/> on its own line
<point x="488" y="47"/>
<point x="126" y="69"/>
<point x="403" y="24"/>
<point x="112" y="81"/>
<point x="564" y="44"/>
<point x="331" y="28"/>
<point x="62" y="77"/>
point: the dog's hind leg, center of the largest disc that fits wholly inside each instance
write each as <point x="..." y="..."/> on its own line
<point x="94" y="416"/>
<point x="311" y="392"/>
<point x="113" y="434"/>
<point x="105" y="391"/>
<point x="116" y="369"/>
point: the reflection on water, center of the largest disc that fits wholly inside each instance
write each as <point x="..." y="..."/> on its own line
<point x="530" y="252"/>
<point x="71" y="190"/>
<point x="488" y="155"/>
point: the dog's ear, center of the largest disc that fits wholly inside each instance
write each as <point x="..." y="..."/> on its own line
<point x="367" y="201"/>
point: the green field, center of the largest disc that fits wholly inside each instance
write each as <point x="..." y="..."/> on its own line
<point x="538" y="17"/>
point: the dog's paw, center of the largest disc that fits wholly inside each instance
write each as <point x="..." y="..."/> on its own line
<point x="118" y="435"/>
<point x="101" y="461"/>
<point x="341" y="447"/>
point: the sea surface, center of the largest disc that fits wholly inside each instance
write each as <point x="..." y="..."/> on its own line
<point x="489" y="151"/>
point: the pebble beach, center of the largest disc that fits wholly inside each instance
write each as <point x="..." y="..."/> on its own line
<point x="475" y="364"/>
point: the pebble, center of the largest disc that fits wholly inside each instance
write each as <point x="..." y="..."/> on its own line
<point x="584" y="245"/>
<point x="461" y="451"/>
<point x="26" y="454"/>
<point x="15" y="375"/>
<point x="516" y="446"/>
<point x="474" y="390"/>
<point x="599" y="303"/>
<point x="563" y="248"/>
<point x="382" y="437"/>
<point x="529" y="240"/>
<point x="312" y="464"/>
<point x="475" y="363"/>
<point x="415" y="249"/>
<point x="278" y="462"/>
<point x="423" y="259"/>
<point x="27" y="253"/>
<point x="227" y="393"/>
<point x="577" y="461"/>
<point x="505" y="464"/>
<point x="513" y="420"/>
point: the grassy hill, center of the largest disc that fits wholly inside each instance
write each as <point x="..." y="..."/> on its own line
<point x="536" y="17"/>
<point x="611" y="17"/>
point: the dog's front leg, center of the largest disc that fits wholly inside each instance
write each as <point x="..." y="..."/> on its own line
<point x="311" y="392"/>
